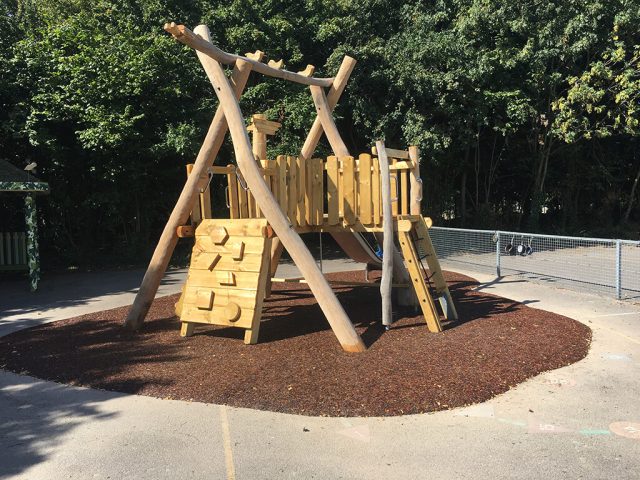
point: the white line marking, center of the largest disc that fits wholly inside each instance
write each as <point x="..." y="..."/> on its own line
<point x="617" y="314"/>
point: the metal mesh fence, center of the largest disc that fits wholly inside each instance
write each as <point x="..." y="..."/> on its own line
<point x="610" y="267"/>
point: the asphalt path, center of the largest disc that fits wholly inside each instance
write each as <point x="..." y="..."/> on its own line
<point x="580" y="421"/>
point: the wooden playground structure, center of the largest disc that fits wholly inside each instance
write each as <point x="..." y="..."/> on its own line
<point x="272" y="201"/>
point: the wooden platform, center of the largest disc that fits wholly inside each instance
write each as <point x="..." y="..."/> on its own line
<point x="341" y="193"/>
<point x="229" y="275"/>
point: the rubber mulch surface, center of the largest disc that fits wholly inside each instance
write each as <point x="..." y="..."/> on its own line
<point x="298" y="366"/>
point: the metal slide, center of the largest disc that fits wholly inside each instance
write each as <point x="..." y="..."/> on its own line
<point x="357" y="248"/>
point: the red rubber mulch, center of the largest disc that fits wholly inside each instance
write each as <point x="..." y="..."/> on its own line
<point x="299" y="366"/>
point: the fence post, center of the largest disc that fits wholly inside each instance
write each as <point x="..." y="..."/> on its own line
<point x="618" y="269"/>
<point x="498" y="253"/>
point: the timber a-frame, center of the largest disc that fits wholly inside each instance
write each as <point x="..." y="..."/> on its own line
<point x="275" y="200"/>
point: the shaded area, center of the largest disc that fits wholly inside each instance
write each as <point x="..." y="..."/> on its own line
<point x="20" y="308"/>
<point x="299" y="366"/>
<point x="35" y="416"/>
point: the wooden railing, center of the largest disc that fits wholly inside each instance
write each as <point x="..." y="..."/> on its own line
<point x="339" y="191"/>
<point x="13" y="251"/>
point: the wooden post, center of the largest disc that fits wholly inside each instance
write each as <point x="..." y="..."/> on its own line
<point x="416" y="182"/>
<point x="388" y="246"/>
<point x="259" y="145"/>
<point x="168" y="239"/>
<point x="336" y="89"/>
<point x="323" y="110"/>
<point x="260" y="127"/>
<point x="196" y="210"/>
<point x="335" y="314"/>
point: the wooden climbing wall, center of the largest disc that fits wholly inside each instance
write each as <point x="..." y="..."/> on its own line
<point x="228" y="275"/>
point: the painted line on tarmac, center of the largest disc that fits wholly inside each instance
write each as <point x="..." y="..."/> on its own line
<point x="616" y="356"/>
<point x="631" y="339"/>
<point x="508" y="421"/>
<point x="226" y="441"/>
<point x="537" y="426"/>
<point x="617" y="314"/>
<point x="626" y="429"/>
<point x="359" y="432"/>
<point x="591" y="432"/>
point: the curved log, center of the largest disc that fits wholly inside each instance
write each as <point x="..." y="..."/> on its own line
<point x="326" y="120"/>
<point x="202" y="45"/>
<point x="388" y="246"/>
<point x="327" y="300"/>
<point x="169" y="238"/>
<point x="336" y="89"/>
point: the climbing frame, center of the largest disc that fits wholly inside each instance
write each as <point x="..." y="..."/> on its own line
<point x="233" y="259"/>
<point x="228" y="276"/>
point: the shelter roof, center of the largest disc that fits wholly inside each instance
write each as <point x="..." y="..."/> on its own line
<point x="12" y="179"/>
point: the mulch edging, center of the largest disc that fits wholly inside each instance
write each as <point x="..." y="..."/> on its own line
<point x="299" y="366"/>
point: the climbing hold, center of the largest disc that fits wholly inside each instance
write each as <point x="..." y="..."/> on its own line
<point x="232" y="311"/>
<point x="204" y="299"/>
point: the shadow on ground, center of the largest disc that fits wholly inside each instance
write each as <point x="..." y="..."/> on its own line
<point x="20" y="308"/>
<point x="36" y="415"/>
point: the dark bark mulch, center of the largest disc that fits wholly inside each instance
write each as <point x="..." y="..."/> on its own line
<point x="299" y="367"/>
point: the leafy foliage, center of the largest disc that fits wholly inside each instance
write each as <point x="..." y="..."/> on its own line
<point x="526" y="112"/>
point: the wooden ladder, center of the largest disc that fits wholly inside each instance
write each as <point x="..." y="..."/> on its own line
<point x="416" y="245"/>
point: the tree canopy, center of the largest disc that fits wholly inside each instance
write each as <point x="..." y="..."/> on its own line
<point x="526" y="112"/>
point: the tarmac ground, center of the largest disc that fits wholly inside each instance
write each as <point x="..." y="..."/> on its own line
<point x="580" y="421"/>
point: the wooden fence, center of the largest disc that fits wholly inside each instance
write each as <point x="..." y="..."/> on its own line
<point x="13" y="251"/>
<point x="338" y="191"/>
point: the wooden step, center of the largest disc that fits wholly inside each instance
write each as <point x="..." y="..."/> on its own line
<point x="414" y="266"/>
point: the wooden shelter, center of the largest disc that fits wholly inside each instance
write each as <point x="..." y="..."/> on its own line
<point x="19" y="250"/>
<point x="272" y="201"/>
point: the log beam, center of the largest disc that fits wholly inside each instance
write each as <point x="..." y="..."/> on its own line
<point x="323" y="109"/>
<point x="202" y="45"/>
<point x="333" y="311"/>
<point x="169" y="237"/>
<point x="335" y="91"/>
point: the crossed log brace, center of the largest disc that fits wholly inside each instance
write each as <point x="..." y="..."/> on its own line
<point x="229" y="117"/>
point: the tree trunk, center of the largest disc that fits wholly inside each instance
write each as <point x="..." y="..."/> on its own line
<point x="537" y="198"/>
<point x="632" y="197"/>
<point x="463" y="198"/>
